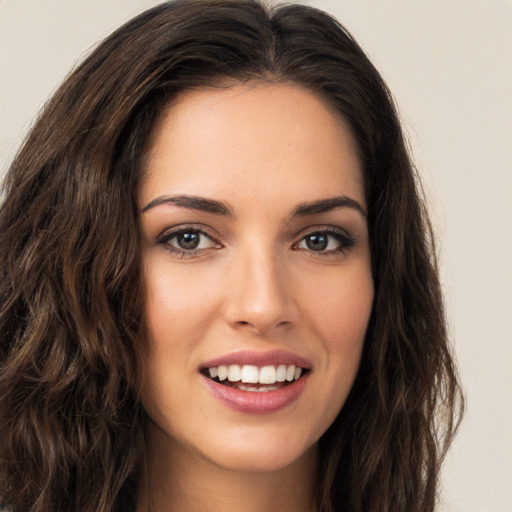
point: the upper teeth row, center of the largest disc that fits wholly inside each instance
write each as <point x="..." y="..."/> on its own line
<point x="252" y="374"/>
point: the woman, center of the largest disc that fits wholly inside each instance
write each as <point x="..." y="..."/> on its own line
<point x="218" y="280"/>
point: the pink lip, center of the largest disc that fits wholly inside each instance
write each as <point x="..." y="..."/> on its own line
<point x="257" y="402"/>
<point x="274" y="357"/>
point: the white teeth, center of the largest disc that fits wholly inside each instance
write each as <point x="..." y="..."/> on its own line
<point x="250" y="374"/>
<point x="267" y="375"/>
<point x="234" y="372"/>
<point x="223" y="372"/>
<point x="281" y="373"/>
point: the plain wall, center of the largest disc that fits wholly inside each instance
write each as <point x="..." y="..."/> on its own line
<point x="449" y="64"/>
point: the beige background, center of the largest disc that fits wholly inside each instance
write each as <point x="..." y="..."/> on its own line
<point x="449" y="64"/>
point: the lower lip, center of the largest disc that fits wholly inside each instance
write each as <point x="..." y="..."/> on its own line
<point x="257" y="402"/>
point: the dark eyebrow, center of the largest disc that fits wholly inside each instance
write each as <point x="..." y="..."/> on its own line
<point x="326" y="205"/>
<point x="193" y="203"/>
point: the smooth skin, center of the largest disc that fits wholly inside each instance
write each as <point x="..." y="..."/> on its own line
<point x="267" y="262"/>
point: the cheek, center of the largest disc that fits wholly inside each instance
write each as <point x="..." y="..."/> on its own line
<point x="177" y="305"/>
<point x="341" y="307"/>
<point x="339" y="315"/>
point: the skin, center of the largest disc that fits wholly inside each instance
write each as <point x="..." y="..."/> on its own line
<point x="254" y="283"/>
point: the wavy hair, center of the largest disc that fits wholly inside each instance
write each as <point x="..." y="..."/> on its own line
<point x="71" y="425"/>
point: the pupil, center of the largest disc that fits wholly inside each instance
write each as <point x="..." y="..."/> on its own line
<point x="188" y="240"/>
<point x="317" y="242"/>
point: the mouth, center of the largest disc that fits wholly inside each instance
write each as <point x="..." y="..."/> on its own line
<point x="252" y="382"/>
<point x="254" y="378"/>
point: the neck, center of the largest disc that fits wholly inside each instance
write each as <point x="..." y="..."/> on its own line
<point x="193" y="484"/>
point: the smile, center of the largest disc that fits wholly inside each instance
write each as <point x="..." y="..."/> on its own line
<point x="263" y="383"/>
<point x="253" y="378"/>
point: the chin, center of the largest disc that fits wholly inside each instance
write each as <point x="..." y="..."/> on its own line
<point x="263" y="456"/>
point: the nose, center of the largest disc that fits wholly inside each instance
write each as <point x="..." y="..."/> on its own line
<point x="260" y="298"/>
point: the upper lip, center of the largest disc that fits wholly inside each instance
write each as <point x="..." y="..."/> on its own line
<point x="269" y="358"/>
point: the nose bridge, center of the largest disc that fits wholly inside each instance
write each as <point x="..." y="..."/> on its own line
<point x="260" y="290"/>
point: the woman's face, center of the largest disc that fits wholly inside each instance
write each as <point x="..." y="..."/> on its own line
<point x="256" y="265"/>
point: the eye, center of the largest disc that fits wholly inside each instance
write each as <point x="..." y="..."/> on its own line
<point x="326" y="241"/>
<point x="187" y="241"/>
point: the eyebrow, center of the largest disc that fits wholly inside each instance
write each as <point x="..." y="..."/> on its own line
<point x="218" y="208"/>
<point x="327" y="205"/>
<point x="193" y="203"/>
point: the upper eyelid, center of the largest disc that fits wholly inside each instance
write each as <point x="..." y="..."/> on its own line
<point x="169" y="232"/>
<point x="344" y="237"/>
<point x="322" y="229"/>
<point x="176" y="230"/>
<point x="164" y="240"/>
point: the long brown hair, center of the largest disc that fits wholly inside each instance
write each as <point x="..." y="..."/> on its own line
<point x="71" y="425"/>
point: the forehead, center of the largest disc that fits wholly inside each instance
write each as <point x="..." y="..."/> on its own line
<point x="262" y="139"/>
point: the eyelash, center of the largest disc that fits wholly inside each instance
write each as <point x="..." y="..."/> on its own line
<point x="343" y="239"/>
<point x="167" y="236"/>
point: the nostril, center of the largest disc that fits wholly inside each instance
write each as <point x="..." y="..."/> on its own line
<point x="261" y="326"/>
